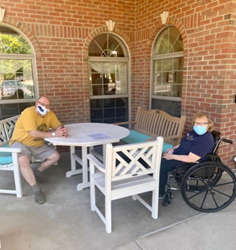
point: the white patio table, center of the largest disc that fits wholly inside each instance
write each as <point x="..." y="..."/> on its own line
<point x="86" y="135"/>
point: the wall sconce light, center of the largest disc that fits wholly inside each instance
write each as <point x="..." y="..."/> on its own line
<point x="110" y="25"/>
<point x="2" y="14"/>
<point x="164" y="17"/>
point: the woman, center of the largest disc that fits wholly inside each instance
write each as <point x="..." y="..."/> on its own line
<point x="192" y="148"/>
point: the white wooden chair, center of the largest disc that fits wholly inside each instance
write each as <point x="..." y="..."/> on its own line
<point x="123" y="175"/>
<point x="9" y="156"/>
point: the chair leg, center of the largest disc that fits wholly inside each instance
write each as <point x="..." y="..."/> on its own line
<point x="92" y="194"/>
<point x="108" y="214"/>
<point x="155" y="200"/>
<point x="134" y="197"/>
<point x="17" y="179"/>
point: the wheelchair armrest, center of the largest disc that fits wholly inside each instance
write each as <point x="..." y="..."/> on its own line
<point x="211" y="156"/>
<point x="184" y="165"/>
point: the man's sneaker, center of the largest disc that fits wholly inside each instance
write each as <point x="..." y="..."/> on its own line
<point x="39" y="197"/>
<point x="160" y="196"/>
<point x="40" y="179"/>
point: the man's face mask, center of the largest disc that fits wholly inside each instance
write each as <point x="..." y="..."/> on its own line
<point x="42" y="110"/>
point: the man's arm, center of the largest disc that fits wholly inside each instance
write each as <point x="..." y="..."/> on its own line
<point x="61" y="131"/>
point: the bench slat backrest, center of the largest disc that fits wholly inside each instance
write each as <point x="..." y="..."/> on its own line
<point x="158" y="123"/>
<point x="169" y="125"/>
<point x="7" y="127"/>
<point x="144" y="120"/>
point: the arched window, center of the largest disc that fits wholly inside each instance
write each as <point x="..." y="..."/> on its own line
<point x="108" y="78"/>
<point x="167" y="71"/>
<point x="17" y="61"/>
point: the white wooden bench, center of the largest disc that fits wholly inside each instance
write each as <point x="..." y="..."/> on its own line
<point x="9" y="156"/>
<point x="149" y="124"/>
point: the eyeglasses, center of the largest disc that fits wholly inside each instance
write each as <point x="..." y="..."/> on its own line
<point x="45" y="105"/>
<point x="201" y="123"/>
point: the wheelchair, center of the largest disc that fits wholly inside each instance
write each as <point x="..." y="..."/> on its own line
<point x="208" y="186"/>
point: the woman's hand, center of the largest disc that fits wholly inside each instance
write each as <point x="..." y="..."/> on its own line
<point x="168" y="156"/>
<point x="169" y="151"/>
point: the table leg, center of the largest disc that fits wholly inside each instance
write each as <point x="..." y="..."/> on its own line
<point x="73" y="159"/>
<point x="104" y="153"/>
<point x="85" y="183"/>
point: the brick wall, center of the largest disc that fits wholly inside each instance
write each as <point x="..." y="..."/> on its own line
<point x="61" y="31"/>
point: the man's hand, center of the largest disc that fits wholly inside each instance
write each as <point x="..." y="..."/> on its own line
<point x="61" y="132"/>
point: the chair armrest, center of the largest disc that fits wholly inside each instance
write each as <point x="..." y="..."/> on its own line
<point x="152" y="139"/>
<point x="10" y="150"/>
<point x="171" y="139"/>
<point x="92" y="159"/>
<point x="166" y="139"/>
<point x="124" y="123"/>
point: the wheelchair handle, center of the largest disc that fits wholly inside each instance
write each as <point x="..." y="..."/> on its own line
<point x="227" y="141"/>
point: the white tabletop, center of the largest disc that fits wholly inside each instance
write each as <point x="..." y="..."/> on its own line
<point x="90" y="134"/>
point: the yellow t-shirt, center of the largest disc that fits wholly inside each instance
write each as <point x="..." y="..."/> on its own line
<point x="30" y="120"/>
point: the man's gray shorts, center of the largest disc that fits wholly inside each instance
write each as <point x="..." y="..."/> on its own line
<point x="39" y="153"/>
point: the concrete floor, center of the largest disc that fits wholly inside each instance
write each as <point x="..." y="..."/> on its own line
<point x="212" y="231"/>
<point x="65" y="221"/>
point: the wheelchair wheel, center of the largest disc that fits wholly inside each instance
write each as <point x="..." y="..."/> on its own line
<point x="208" y="186"/>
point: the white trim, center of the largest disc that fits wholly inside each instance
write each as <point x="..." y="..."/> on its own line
<point x="164" y="15"/>
<point x="21" y="33"/>
<point x="126" y="59"/>
<point x="169" y="55"/>
<point x="110" y="25"/>
<point x="129" y="88"/>
<point x="157" y="35"/>
<point x="108" y="96"/>
<point x="17" y="56"/>
<point x="168" y="98"/>
<point x="31" y="57"/>
<point x="2" y="14"/>
<point x="18" y="101"/>
<point x="151" y="84"/>
<point x="107" y="59"/>
<point x="154" y="58"/>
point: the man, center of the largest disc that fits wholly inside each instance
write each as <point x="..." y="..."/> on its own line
<point x="35" y="124"/>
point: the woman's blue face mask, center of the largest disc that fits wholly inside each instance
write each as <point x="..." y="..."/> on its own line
<point x="200" y="130"/>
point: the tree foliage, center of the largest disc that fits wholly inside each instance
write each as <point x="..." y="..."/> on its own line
<point x="10" y="44"/>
